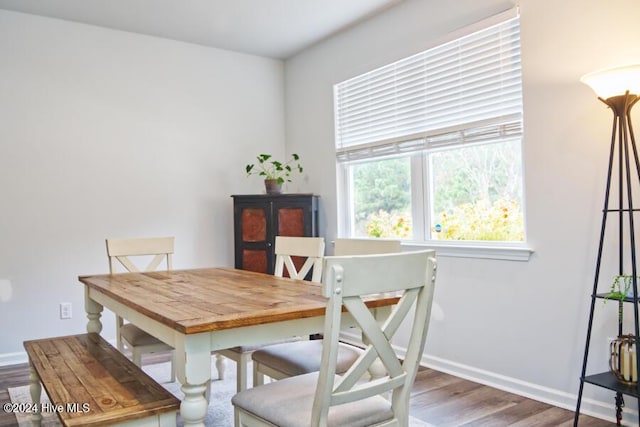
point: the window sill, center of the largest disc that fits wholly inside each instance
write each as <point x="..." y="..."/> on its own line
<point x="507" y="252"/>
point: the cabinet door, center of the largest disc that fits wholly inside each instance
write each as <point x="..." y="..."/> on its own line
<point x="295" y="218"/>
<point x="253" y="241"/>
<point x="259" y="218"/>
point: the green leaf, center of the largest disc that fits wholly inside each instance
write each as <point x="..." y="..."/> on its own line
<point x="615" y="295"/>
<point x="273" y="169"/>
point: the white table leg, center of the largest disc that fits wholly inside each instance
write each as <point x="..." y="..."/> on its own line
<point x="193" y="363"/>
<point x="36" y="391"/>
<point x="94" y="312"/>
<point x="193" y="407"/>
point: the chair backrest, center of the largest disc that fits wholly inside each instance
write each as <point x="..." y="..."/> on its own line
<point x="346" y="282"/>
<point x="121" y="251"/>
<point x="365" y="246"/>
<point x="288" y="248"/>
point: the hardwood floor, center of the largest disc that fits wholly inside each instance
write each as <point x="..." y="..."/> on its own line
<point x="448" y="401"/>
<point x="11" y="376"/>
<point x="438" y="398"/>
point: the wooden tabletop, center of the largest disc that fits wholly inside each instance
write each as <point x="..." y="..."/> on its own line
<point x="210" y="299"/>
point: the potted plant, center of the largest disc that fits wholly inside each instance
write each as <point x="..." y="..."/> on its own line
<point x="621" y="288"/>
<point x="275" y="173"/>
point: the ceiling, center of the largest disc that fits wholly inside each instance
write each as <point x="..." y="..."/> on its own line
<point x="272" y="28"/>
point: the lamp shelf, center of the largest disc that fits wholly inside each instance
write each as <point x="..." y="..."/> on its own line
<point x="609" y="381"/>
<point x="622" y="210"/>
<point x="626" y="299"/>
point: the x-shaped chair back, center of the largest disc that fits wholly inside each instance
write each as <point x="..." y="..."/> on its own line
<point x="311" y="249"/>
<point x="347" y="282"/>
<point x="121" y="251"/>
<point x="342" y="246"/>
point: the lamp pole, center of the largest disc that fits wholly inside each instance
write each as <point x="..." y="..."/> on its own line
<point x="614" y="90"/>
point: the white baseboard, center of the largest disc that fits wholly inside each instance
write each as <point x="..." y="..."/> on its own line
<point x="13" y="358"/>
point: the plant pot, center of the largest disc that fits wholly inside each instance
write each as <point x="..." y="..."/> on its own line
<point x="273" y="186"/>
<point x="622" y="360"/>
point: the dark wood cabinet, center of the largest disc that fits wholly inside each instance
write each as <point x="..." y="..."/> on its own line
<point x="257" y="219"/>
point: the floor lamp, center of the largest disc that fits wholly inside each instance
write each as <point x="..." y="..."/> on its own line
<point x="618" y="88"/>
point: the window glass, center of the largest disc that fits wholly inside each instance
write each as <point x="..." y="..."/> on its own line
<point x="382" y="198"/>
<point x="477" y="193"/>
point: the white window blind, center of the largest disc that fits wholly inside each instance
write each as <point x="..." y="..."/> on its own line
<point x="463" y="91"/>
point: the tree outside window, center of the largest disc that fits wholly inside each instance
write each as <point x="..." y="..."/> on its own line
<point x="476" y="195"/>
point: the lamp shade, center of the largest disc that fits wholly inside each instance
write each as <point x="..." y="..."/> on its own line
<point x="614" y="81"/>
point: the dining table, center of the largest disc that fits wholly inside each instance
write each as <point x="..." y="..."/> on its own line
<point x="198" y="311"/>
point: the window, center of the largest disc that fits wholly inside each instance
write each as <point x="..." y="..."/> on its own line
<point x="429" y="148"/>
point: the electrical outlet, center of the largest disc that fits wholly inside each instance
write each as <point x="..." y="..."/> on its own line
<point x="65" y="310"/>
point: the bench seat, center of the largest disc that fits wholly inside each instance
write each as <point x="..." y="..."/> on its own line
<point x="90" y="383"/>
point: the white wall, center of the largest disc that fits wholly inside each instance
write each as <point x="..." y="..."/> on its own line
<point x="106" y="133"/>
<point x="518" y="325"/>
<point x="111" y="134"/>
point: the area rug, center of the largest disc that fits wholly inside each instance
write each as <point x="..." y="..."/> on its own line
<point x="220" y="413"/>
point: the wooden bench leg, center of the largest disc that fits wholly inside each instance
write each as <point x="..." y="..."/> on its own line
<point x="36" y="391"/>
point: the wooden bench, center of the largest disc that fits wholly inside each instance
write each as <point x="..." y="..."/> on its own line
<point x="90" y="383"/>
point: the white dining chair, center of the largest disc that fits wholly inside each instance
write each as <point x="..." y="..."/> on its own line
<point x="155" y="251"/>
<point x="285" y="360"/>
<point x="325" y="398"/>
<point x="347" y="246"/>
<point x="296" y="257"/>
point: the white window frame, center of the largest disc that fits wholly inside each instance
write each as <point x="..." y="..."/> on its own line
<point x="420" y="194"/>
